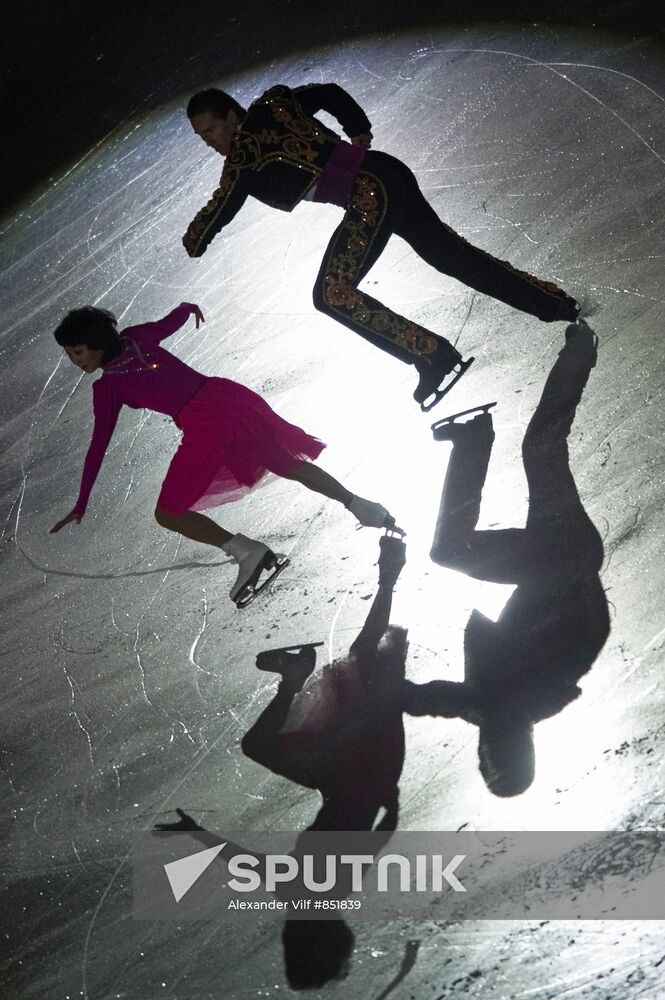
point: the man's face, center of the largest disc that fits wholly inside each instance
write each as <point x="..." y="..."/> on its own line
<point x="215" y="132"/>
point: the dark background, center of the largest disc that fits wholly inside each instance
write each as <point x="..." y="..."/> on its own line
<point x="73" y="70"/>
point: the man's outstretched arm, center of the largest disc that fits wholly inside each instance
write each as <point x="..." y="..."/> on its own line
<point x="226" y="201"/>
<point x="334" y="99"/>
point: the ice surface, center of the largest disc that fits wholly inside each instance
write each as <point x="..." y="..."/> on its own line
<point x="129" y="677"/>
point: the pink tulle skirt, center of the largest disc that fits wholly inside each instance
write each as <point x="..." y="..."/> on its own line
<point x="231" y="441"/>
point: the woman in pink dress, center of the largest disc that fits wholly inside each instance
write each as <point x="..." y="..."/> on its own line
<point x="231" y="438"/>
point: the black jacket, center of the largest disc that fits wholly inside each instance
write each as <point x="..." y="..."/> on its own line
<point x="276" y="155"/>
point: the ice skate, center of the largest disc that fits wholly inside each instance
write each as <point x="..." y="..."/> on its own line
<point x="449" y="430"/>
<point x="432" y="373"/>
<point x="371" y="515"/>
<point x="253" y="558"/>
<point x="569" y="310"/>
<point x="294" y="663"/>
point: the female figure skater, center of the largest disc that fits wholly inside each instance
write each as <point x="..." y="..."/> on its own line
<point x="231" y="437"/>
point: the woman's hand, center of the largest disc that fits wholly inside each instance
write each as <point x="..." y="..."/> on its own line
<point x="364" y="140"/>
<point x="72" y="516"/>
<point x="184" y="824"/>
<point x="196" y="313"/>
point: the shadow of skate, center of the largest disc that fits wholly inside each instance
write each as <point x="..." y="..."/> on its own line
<point x="525" y="667"/>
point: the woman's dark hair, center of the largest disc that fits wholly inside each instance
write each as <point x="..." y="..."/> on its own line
<point x="506" y="755"/>
<point x="316" y="951"/>
<point x="216" y="102"/>
<point x="96" y="328"/>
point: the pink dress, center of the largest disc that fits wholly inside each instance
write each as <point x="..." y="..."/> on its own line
<point x="231" y="437"/>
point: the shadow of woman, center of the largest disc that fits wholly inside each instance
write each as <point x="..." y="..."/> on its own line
<point x="343" y="736"/>
<point x="525" y="667"/>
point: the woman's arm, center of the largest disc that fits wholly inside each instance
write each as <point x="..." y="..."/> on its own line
<point x="158" y="331"/>
<point x="106" y="409"/>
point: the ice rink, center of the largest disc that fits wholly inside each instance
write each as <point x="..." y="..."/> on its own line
<point x="129" y="677"/>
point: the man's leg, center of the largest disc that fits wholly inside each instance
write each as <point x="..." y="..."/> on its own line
<point x="557" y="517"/>
<point x="498" y="555"/>
<point x="355" y="246"/>
<point x="444" y="249"/>
<point x="462" y="490"/>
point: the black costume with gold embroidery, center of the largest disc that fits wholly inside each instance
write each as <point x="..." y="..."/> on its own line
<point x="278" y="154"/>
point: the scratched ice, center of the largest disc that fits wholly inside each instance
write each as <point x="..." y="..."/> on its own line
<point x="129" y="678"/>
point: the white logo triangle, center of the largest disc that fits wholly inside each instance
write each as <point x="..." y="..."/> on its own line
<point x="182" y="874"/>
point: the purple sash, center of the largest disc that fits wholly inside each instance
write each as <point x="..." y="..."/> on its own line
<point x="337" y="177"/>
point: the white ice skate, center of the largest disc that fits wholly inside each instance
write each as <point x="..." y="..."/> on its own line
<point x="253" y="558"/>
<point x="369" y="514"/>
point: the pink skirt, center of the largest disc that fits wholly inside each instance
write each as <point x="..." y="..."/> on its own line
<point x="231" y="441"/>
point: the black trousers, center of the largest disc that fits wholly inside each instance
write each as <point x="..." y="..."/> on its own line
<point x="386" y="199"/>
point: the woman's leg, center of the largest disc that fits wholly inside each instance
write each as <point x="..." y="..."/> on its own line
<point x="253" y="558"/>
<point x="368" y="513"/>
<point x="318" y="481"/>
<point x="193" y="525"/>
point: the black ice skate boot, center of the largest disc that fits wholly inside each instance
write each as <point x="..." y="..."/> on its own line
<point x="560" y="307"/>
<point x="568" y="310"/>
<point x="449" y="429"/>
<point x="433" y="368"/>
<point x="253" y="558"/>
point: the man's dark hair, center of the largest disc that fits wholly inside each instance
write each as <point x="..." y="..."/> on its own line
<point x="96" y="328"/>
<point x="216" y="102"/>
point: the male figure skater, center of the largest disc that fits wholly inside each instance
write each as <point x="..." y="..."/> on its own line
<point x="279" y="153"/>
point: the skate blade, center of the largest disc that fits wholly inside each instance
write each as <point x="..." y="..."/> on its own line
<point x="439" y="428"/>
<point x="251" y="591"/>
<point x="438" y="394"/>
<point x="391" y="528"/>
<point x="266" y="659"/>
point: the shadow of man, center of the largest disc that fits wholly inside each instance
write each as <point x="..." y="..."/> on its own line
<point x="345" y="737"/>
<point x="525" y="667"/>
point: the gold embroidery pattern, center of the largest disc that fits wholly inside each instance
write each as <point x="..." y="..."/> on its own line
<point x="243" y="155"/>
<point x="365" y="214"/>
<point x="295" y="139"/>
<point x="303" y="134"/>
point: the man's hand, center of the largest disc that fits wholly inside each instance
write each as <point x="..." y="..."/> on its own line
<point x="72" y="516"/>
<point x="364" y="140"/>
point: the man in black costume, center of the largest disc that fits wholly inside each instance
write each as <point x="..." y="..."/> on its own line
<point x="279" y="153"/>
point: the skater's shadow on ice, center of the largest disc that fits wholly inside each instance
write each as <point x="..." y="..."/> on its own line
<point x="342" y="735"/>
<point x="525" y="667"/>
<point x="124" y="574"/>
